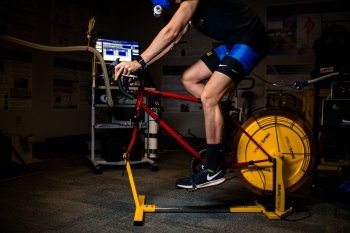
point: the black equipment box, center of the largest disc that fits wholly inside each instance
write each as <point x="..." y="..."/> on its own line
<point x="340" y="90"/>
<point x="336" y="112"/>
<point x="112" y="150"/>
<point x="114" y="145"/>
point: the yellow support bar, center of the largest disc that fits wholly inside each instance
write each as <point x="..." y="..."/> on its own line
<point x="142" y="208"/>
<point x="139" y="200"/>
<point x="279" y="211"/>
<point x="257" y="208"/>
<point x="247" y="209"/>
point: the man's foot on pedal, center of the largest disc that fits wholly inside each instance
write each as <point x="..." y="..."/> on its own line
<point x="203" y="178"/>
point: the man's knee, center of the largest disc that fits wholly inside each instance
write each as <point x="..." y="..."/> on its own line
<point x="208" y="99"/>
<point x="187" y="79"/>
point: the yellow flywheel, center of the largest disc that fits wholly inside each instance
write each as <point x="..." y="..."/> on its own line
<point x="278" y="133"/>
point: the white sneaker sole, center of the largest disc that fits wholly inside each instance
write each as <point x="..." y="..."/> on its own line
<point x="204" y="185"/>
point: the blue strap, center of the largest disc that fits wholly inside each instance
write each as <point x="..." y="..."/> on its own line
<point x="245" y="55"/>
<point x="221" y="51"/>
<point x="162" y="3"/>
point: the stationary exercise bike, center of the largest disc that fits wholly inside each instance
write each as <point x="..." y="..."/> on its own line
<point x="272" y="150"/>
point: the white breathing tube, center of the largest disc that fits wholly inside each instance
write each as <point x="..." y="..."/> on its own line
<point x="68" y="49"/>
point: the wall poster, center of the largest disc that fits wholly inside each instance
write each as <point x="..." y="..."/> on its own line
<point x="15" y="80"/>
<point x="71" y="85"/>
<point x="294" y="28"/>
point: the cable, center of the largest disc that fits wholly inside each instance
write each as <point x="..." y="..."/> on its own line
<point x="276" y="73"/>
<point x="285" y="84"/>
<point x="68" y="49"/>
<point x="297" y="85"/>
<point x="272" y="84"/>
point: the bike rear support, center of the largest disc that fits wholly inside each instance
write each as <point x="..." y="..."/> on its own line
<point x="277" y="211"/>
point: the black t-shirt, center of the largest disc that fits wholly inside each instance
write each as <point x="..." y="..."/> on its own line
<point x="230" y="21"/>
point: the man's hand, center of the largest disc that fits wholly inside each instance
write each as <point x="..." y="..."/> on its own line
<point x="126" y="68"/>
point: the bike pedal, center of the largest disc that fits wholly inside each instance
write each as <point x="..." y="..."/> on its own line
<point x="193" y="189"/>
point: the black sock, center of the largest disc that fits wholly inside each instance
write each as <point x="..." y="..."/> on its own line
<point x="213" y="152"/>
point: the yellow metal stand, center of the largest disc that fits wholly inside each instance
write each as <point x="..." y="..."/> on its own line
<point x="139" y="200"/>
<point x="280" y="209"/>
<point x="279" y="199"/>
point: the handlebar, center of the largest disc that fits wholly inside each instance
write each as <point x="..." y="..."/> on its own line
<point x="123" y="81"/>
<point x="301" y="85"/>
<point x="123" y="85"/>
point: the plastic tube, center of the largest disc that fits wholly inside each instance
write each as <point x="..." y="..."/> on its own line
<point x="68" y="49"/>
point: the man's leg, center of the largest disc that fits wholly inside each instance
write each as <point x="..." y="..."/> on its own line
<point x="211" y="94"/>
<point x="217" y="86"/>
<point x="214" y="90"/>
<point x="192" y="79"/>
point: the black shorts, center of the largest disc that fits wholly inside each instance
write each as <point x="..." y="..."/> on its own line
<point x="235" y="62"/>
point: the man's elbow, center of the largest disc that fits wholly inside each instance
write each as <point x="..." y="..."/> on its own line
<point x="171" y="34"/>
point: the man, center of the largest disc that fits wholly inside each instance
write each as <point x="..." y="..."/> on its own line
<point x="245" y="43"/>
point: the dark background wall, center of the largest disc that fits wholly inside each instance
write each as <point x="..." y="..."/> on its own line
<point x="64" y="23"/>
<point x="60" y="23"/>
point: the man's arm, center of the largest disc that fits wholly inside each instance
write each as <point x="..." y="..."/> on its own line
<point x="165" y="39"/>
<point x="170" y="46"/>
<point x="171" y="33"/>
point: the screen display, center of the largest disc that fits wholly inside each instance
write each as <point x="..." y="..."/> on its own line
<point x="113" y="49"/>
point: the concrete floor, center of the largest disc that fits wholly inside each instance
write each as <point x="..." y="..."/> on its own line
<point x="69" y="197"/>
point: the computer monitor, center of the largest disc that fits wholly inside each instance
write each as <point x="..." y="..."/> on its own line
<point x="113" y="49"/>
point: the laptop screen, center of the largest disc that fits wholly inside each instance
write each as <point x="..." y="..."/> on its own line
<point x="113" y="49"/>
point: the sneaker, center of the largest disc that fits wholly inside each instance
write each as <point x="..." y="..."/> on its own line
<point x="201" y="179"/>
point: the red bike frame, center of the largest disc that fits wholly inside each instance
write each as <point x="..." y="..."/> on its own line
<point x="140" y="105"/>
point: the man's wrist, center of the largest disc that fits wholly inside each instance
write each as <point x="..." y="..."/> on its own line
<point x="142" y="62"/>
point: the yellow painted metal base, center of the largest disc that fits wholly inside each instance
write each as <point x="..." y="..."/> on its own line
<point x="141" y="208"/>
<point x="139" y="200"/>
<point x="279" y="201"/>
<point x="258" y="208"/>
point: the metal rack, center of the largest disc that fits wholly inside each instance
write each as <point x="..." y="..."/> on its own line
<point x="96" y="158"/>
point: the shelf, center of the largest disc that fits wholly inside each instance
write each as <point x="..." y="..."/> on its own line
<point x="99" y="160"/>
<point x="113" y="119"/>
<point x="116" y="87"/>
<point x="112" y="126"/>
<point x="115" y="106"/>
<point x="121" y="125"/>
